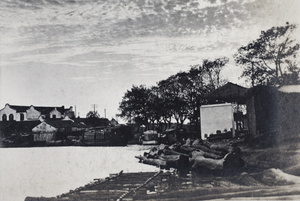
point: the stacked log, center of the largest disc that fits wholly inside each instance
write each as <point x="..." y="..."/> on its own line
<point x="196" y="155"/>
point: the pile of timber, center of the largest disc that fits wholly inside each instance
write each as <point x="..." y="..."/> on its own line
<point x="199" y="155"/>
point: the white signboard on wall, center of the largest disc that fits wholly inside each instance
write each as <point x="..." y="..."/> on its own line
<point x="216" y="117"/>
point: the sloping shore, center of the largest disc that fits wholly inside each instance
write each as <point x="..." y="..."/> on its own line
<point x="271" y="173"/>
<point x="267" y="185"/>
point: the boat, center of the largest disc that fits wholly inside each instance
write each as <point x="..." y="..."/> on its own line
<point x="150" y="137"/>
<point x="106" y="136"/>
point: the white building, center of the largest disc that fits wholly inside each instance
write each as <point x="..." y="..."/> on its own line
<point x="31" y="113"/>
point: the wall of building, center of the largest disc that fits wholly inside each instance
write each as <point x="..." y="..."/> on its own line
<point x="32" y="114"/>
<point x="251" y="117"/>
<point x="216" y="117"/>
<point x="43" y="137"/>
<point x="44" y="128"/>
<point x="55" y="114"/>
<point x="9" y="111"/>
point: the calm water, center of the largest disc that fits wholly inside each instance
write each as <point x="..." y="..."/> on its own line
<point x="50" y="171"/>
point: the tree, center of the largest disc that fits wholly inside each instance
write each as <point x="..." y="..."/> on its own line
<point x="210" y="72"/>
<point x="133" y="104"/>
<point x="93" y="114"/>
<point x="271" y="59"/>
<point x="174" y="92"/>
<point x="177" y="97"/>
<point x="93" y="119"/>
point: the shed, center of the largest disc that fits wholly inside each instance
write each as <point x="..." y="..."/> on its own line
<point x="229" y="92"/>
<point x="273" y="112"/>
<point x="236" y="95"/>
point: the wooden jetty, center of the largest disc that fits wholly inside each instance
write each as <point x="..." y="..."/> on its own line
<point x="165" y="186"/>
<point x="121" y="186"/>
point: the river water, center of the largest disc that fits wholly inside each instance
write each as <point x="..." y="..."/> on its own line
<point x="51" y="171"/>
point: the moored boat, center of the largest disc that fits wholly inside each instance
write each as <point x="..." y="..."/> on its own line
<point x="150" y="137"/>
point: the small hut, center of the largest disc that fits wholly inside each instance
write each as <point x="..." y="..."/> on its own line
<point x="273" y="113"/>
<point x="236" y="96"/>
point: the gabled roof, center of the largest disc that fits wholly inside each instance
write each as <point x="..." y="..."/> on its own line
<point x="47" y="110"/>
<point x="42" y="109"/>
<point x="19" y="108"/>
<point x="229" y="92"/>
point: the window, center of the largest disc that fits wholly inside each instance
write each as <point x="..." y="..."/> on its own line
<point x="4" y="117"/>
<point x="11" y="117"/>
<point x="21" y="117"/>
<point x="54" y="116"/>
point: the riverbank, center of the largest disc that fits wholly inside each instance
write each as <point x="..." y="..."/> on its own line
<point x="270" y="184"/>
<point x="271" y="173"/>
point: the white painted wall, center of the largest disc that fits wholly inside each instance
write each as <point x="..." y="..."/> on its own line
<point x="7" y="110"/>
<point x="32" y="114"/>
<point x="56" y="113"/>
<point x="216" y="117"/>
<point x="44" y="128"/>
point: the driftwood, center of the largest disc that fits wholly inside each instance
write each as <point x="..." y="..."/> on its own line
<point x="151" y="161"/>
<point x="208" y="150"/>
<point x="172" y="152"/>
<point x="197" y="155"/>
<point x="175" y="161"/>
<point x="205" y="154"/>
<point x="212" y="164"/>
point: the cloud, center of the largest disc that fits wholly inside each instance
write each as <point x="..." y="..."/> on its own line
<point x="87" y="47"/>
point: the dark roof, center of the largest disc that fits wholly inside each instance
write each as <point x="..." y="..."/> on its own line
<point x="47" y="110"/>
<point x="19" y="126"/>
<point x="42" y="109"/>
<point x="19" y="108"/>
<point x="229" y="92"/>
<point x="64" y="124"/>
<point x="262" y="91"/>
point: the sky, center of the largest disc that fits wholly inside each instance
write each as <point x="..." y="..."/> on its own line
<point x="85" y="53"/>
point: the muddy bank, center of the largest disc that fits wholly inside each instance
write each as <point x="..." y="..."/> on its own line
<point x="268" y="174"/>
<point x="266" y="185"/>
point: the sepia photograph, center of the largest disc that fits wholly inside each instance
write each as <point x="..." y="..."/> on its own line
<point x="149" y="100"/>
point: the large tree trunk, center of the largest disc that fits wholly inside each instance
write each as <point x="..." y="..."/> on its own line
<point x="230" y="161"/>
<point x="151" y="161"/>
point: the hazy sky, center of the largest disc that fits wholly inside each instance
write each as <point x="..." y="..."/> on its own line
<point x="73" y="52"/>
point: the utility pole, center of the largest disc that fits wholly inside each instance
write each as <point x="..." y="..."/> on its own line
<point x="105" y="113"/>
<point x="94" y="107"/>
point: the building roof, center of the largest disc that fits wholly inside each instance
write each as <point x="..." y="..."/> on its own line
<point x="42" y="109"/>
<point x="64" y="124"/>
<point x="290" y="89"/>
<point x="47" y="110"/>
<point x="229" y="92"/>
<point x="19" y="108"/>
<point x="18" y="126"/>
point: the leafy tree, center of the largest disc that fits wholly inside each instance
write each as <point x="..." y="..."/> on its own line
<point x="210" y="72"/>
<point x="165" y="106"/>
<point x="134" y="104"/>
<point x="177" y="97"/>
<point x="93" y="119"/>
<point x="93" y="114"/>
<point x="271" y="58"/>
<point x="155" y="106"/>
<point x="174" y="92"/>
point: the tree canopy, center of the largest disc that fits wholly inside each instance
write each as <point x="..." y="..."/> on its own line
<point x="178" y="97"/>
<point x="271" y="59"/>
<point x="93" y="114"/>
